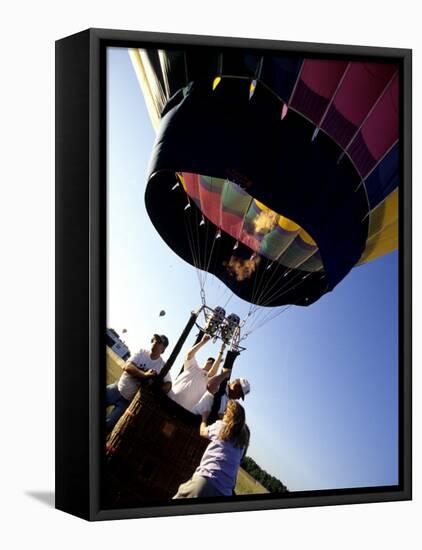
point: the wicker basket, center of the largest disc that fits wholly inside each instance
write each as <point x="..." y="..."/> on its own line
<point x="153" y="448"/>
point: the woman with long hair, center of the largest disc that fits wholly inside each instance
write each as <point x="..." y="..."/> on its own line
<point x="216" y="474"/>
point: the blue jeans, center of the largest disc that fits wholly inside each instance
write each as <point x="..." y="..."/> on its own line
<point x="114" y="397"/>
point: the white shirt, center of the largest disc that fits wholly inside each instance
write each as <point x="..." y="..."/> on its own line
<point x="128" y="385"/>
<point x="205" y="403"/>
<point x="190" y="385"/>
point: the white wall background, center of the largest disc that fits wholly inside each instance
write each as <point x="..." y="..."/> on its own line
<point x="28" y="32"/>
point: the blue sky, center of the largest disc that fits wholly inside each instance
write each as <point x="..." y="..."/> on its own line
<point x="323" y="408"/>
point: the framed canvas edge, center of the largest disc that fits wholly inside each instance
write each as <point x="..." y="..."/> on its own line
<point x="253" y="505"/>
<point x="126" y="36"/>
<point x="71" y="275"/>
<point x="98" y="39"/>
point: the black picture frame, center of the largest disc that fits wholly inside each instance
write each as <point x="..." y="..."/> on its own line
<point x="81" y="274"/>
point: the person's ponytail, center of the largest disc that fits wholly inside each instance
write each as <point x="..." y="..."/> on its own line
<point x="235" y="429"/>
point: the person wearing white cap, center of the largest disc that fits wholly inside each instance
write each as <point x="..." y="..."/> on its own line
<point x="144" y="366"/>
<point x="237" y="389"/>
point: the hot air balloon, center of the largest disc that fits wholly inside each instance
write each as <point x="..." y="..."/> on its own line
<point x="162" y="313"/>
<point x="276" y="174"/>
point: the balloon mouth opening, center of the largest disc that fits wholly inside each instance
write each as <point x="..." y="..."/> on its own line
<point x="274" y="279"/>
<point x="269" y="235"/>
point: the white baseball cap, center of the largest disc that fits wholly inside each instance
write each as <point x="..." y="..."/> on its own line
<point x="246" y="387"/>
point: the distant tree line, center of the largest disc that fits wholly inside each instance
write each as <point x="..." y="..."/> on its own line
<point x="271" y="483"/>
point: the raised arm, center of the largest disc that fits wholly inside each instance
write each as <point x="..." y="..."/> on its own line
<point x="213" y="370"/>
<point x="203" y="430"/>
<point x="191" y="353"/>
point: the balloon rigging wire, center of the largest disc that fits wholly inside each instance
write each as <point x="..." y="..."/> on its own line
<point x="214" y="240"/>
<point x="269" y="316"/>
<point x="228" y="300"/>
<point x="198" y="242"/>
<point x="269" y="285"/>
<point x="278" y="312"/>
<point x="258" y="304"/>
<point x="281" y="292"/>
<point x="257" y="291"/>
<point x="254" y="307"/>
<point x="260" y="311"/>
<point x="269" y="295"/>
<point x="202" y="260"/>
<point x="272" y="315"/>
<point x="259" y="301"/>
<point x="270" y="278"/>
<point x="255" y="277"/>
<point x="265" y="284"/>
<point x="188" y="227"/>
<point x="265" y="288"/>
<point x="210" y="254"/>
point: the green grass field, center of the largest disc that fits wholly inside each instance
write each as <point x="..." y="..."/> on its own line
<point x="245" y="485"/>
<point x="114" y="366"/>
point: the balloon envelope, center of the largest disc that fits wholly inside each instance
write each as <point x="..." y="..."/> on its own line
<point x="294" y="162"/>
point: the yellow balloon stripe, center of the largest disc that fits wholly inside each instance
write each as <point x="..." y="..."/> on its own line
<point x="288" y="225"/>
<point x="262" y="206"/>
<point x="306" y="238"/>
<point x="182" y="181"/>
<point x="216" y="82"/>
<point x="383" y="235"/>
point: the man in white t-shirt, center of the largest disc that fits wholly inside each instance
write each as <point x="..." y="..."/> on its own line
<point x="144" y="366"/>
<point x="193" y="381"/>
